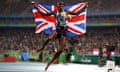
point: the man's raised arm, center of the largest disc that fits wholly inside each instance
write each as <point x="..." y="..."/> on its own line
<point x="36" y="4"/>
<point x="80" y="11"/>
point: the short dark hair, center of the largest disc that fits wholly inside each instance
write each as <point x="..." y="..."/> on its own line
<point x="60" y="3"/>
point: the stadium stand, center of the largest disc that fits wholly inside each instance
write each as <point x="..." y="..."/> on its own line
<point x="107" y="11"/>
<point x="23" y="6"/>
<point x="17" y="33"/>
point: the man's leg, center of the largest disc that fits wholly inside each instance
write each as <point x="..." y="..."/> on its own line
<point x="45" y="44"/>
<point x="55" y="56"/>
<point x="49" y="38"/>
<point x="62" y="47"/>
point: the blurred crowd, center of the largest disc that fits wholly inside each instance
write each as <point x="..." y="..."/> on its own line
<point x="24" y="6"/>
<point x="20" y="39"/>
<point x="19" y="11"/>
<point x="26" y="39"/>
<point x="104" y="19"/>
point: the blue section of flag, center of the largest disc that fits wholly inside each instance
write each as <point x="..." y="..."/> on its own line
<point x="48" y="7"/>
<point x="48" y="30"/>
<point x="68" y="7"/>
<point x="82" y="26"/>
<point x="38" y="22"/>
<point x="70" y="34"/>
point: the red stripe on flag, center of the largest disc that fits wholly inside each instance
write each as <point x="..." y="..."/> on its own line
<point x="76" y="18"/>
<point x="74" y="30"/>
<point x="48" y="18"/>
<point x="78" y="7"/>
<point x="40" y="26"/>
<point x="37" y="15"/>
<point x="40" y="7"/>
<point x="55" y="8"/>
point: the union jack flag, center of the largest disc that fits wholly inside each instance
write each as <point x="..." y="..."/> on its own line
<point x="76" y="23"/>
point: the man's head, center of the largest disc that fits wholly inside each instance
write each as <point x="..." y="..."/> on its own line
<point x="60" y="3"/>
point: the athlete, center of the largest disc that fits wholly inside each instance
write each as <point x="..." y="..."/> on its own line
<point x="61" y="28"/>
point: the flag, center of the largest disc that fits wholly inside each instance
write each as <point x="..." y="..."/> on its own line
<point x="44" y="23"/>
<point x="76" y="23"/>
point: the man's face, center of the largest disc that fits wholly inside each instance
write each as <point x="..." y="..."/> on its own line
<point x="60" y="4"/>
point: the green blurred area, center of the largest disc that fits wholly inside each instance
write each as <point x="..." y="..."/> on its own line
<point x="83" y="59"/>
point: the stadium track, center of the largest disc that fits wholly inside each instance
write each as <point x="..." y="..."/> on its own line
<point x="39" y="67"/>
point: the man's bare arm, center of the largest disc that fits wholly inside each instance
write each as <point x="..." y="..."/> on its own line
<point x="82" y="10"/>
<point x="39" y="10"/>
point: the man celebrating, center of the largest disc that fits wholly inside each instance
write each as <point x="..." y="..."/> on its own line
<point x="61" y="27"/>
